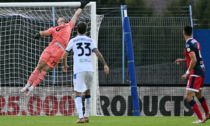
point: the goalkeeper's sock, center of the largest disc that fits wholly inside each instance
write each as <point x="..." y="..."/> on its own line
<point x="204" y="104"/>
<point x="39" y="78"/>
<point x="31" y="89"/>
<point x="78" y="102"/>
<point x="33" y="77"/>
<point x="27" y="86"/>
<point x="196" y="109"/>
<point x="87" y="105"/>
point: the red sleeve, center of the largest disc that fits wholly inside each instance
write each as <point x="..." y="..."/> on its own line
<point x="71" y="24"/>
<point x="51" y="30"/>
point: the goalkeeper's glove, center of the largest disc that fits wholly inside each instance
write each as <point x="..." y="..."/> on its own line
<point x="84" y="3"/>
<point x="37" y="36"/>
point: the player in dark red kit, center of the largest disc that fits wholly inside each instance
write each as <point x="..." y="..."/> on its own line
<point x="196" y="72"/>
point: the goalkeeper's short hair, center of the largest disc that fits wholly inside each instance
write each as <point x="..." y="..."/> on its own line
<point x="58" y="18"/>
<point x="82" y="27"/>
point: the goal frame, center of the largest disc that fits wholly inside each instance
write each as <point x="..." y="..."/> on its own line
<point x="93" y="36"/>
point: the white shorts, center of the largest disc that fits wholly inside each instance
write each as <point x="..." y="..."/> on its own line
<point x="83" y="81"/>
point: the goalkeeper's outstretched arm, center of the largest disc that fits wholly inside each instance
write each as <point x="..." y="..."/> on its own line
<point x="41" y="33"/>
<point x="79" y="10"/>
<point x="77" y="13"/>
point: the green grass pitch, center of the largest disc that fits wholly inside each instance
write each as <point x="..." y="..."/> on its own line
<point x="98" y="121"/>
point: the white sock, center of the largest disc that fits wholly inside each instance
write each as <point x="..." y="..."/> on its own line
<point x="78" y="102"/>
<point x="31" y="88"/>
<point x="87" y="105"/>
<point x="27" y="86"/>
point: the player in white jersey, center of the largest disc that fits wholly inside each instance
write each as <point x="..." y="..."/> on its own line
<point x="83" y="47"/>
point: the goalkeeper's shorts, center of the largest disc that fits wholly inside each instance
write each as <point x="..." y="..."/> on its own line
<point x="52" y="55"/>
<point x="83" y="81"/>
<point x="195" y="83"/>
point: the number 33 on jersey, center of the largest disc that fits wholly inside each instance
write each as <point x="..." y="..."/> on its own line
<point x="82" y="47"/>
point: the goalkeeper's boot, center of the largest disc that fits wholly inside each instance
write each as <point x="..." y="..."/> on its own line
<point x="80" y="120"/>
<point x="200" y="121"/>
<point x="24" y="90"/>
<point x="28" y="93"/>
<point x="86" y="120"/>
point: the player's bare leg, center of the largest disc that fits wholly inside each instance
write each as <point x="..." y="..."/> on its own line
<point x="41" y="76"/>
<point x="33" y="76"/>
<point x="194" y="105"/>
<point x="203" y="103"/>
<point x="78" y="102"/>
<point x="87" y="106"/>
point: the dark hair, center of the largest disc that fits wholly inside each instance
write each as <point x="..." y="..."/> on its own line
<point x="82" y="27"/>
<point x="188" y="30"/>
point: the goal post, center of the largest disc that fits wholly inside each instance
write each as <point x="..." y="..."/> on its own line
<point x="20" y="54"/>
<point x="95" y="79"/>
<point x="44" y="4"/>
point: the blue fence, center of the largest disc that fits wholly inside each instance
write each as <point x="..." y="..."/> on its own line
<point x="203" y="37"/>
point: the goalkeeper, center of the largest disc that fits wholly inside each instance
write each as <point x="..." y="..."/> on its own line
<point x="52" y="55"/>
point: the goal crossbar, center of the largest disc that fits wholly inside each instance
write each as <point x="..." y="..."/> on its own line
<point x="44" y="4"/>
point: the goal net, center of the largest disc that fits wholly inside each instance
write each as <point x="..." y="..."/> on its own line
<point x="20" y="52"/>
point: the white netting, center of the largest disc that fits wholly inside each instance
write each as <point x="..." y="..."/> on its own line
<point x="19" y="54"/>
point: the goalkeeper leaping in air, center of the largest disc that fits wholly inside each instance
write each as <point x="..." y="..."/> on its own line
<point x="52" y="55"/>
